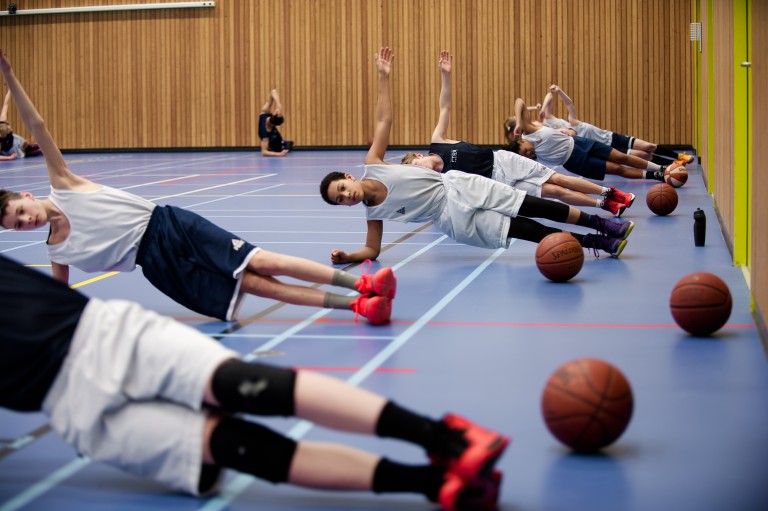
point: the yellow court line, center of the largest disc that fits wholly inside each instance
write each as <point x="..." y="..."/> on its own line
<point x="85" y="282"/>
<point x="94" y="279"/>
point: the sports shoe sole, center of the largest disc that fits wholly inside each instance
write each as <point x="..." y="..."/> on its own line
<point x="618" y="252"/>
<point x="629" y="230"/>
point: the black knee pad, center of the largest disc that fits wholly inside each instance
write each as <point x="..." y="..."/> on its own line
<point x="535" y="207"/>
<point x="256" y="389"/>
<point x="252" y="448"/>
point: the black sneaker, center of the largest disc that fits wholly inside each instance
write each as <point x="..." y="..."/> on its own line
<point x="595" y="242"/>
<point x="658" y="175"/>
<point x="614" y="228"/>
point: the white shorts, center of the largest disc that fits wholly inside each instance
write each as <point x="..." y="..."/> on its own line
<point x="521" y="172"/>
<point x="130" y="392"/>
<point x="477" y="210"/>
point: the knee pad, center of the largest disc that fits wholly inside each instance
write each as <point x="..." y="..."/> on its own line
<point x="252" y="448"/>
<point x="256" y="389"/>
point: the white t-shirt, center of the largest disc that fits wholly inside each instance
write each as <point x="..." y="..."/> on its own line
<point x="552" y="147"/>
<point x="106" y="227"/>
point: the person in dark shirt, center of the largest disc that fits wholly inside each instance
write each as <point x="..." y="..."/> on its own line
<point x="505" y="166"/>
<point x="148" y="395"/>
<point x="13" y="146"/>
<point x="272" y="143"/>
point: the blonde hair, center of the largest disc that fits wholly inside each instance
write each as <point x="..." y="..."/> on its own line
<point x="5" y="129"/>
<point x="408" y="158"/>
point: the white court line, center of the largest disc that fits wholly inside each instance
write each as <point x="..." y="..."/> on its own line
<point x="76" y="465"/>
<point x="242" y="481"/>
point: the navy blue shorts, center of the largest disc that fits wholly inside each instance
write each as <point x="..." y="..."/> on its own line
<point x="621" y="142"/>
<point x="194" y="261"/>
<point x="588" y="158"/>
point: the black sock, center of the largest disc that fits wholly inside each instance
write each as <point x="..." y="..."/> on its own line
<point x="668" y="153"/>
<point x="586" y="220"/>
<point x="659" y="160"/>
<point x="391" y="477"/>
<point x="397" y="422"/>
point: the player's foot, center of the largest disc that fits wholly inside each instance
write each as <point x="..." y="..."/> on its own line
<point x="614" y="207"/>
<point x="658" y="175"/>
<point x="622" y="197"/>
<point x="378" y="309"/>
<point x="619" y="229"/>
<point x="382" y="283"/>
<point x="684" y="158"/>
<point x="471" y="451"/>
<point x="458" y="494"/>
<point x="595" y="242"/>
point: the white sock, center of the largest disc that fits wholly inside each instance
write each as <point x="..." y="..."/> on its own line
<point x="605" y="191"/>
<point x="653" y="166"/>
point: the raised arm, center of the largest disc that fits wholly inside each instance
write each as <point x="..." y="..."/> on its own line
<point x="4" y="111"/>
<point x="383" y="116"/>
<point x="58" y="173"/>
<point x="572" y="117"/>
<point x="523" y="124"/>
<point x="444" y="63"/>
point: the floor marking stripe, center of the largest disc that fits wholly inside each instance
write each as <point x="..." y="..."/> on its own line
<point x="241" y="481"/>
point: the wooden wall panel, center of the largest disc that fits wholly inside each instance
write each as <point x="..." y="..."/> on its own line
<point x="723" y="160"/>
<point x="198" y="77"/>
<point x="759" y="248"/>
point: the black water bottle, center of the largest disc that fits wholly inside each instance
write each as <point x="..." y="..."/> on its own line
<point x="699" y="227"/>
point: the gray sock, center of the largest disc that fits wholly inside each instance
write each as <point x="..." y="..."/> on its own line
<point x="344" y="279"/>
<point x="337" y="301"/>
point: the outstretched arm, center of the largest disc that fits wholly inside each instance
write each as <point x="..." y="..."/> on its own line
<point x="444" y="63"/>
<point x="6" y="102"/>
<point x="60" y="272"/>
<point x="383" y="116"/>
<point x="572" y="117"/>
<point x="58" y="173"/>
<point x="371" y="250"/>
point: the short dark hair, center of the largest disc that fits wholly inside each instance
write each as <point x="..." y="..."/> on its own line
<point x="6" y="196"/>
<point x="514" y="145"/>
<point x="276" y="120"/>
<point x="326" y="183"/>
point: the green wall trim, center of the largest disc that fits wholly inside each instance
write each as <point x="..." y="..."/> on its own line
<point x="741" y="131"/>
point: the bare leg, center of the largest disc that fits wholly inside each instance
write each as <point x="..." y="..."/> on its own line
<point x="641" y="154"/>
<point x="273" y="264"/>
<point x="332" y="467"/>
<point x="334" y="404"/>
<point x="552" y="191"/>
<point x="629" y="160"/>
<point x="316" y="464"/>
<point x="576" y="183"/>
<point x="620" y="170"/>
<point x="270" y="287"/>
<point x="645" y="146"/>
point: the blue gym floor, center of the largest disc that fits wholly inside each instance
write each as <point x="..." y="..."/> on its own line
<point x="474" y="331"/>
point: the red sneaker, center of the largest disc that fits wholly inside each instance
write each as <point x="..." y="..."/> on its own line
<point x="377" y="309"/>
<point x="623" y="197"/>
<point x="382" y="283"/>
<point x="457" y="494"/>
<point x="614" y="207"/>
<point x="483" y="449"/>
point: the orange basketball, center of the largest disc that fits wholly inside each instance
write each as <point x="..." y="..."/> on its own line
<point x="701" y="303"/>
<point x="587" y="404"/>
<point x="676" y="175"/>
<point x="661" y="199"/>
<point x="559" y="256"/>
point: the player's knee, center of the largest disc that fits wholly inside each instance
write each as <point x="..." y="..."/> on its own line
<point x="258" y="389"/>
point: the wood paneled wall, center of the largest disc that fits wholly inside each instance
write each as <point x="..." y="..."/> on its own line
<point x="198" y="77"/>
